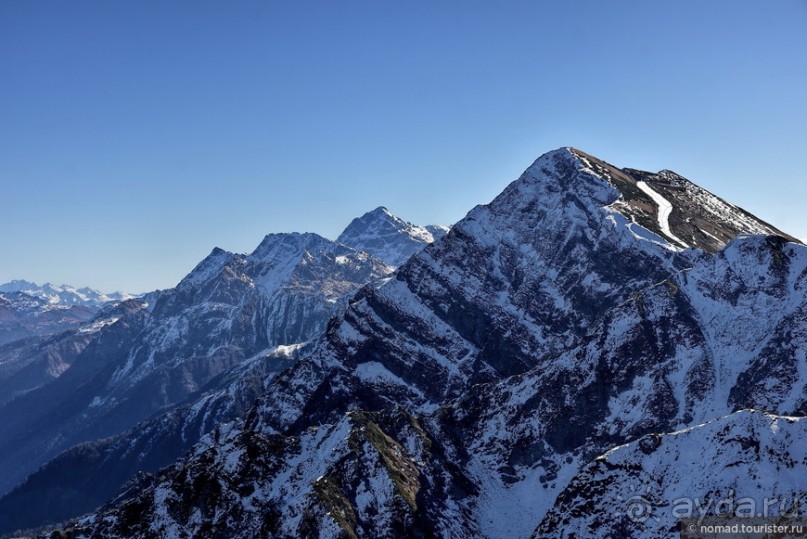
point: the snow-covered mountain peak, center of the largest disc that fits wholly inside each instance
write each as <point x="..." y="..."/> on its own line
<point x="303" y="259"/>
<point x="382" y="212"/>
<point x="17" y="285"/>
<point x="207" y="268"/>
<point x="27" y="312"/>
<point x="230" y="307"/>
<point x="563" y="170"/>
<point x="466" y="394"/>
<point x="390" y="238"/>
<point x="284" y="243"/>
<point x="64" y="295"/>
<point x="678" y="212"/>
<point x="275" y="252"/>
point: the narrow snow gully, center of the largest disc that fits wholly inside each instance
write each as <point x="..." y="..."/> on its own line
<point x="664" y="210"/>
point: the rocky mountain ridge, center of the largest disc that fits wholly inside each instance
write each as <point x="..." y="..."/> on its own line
<point x="185" y="352"/>
<point x="227" y="309"/>
<point x="462" y="395"/>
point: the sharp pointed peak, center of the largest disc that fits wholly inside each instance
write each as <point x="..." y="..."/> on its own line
<point x="381" y="212"/>
<point x="294" y="240"/>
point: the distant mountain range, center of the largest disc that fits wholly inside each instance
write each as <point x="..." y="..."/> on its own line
<point x="592" y="338"/>
<point x="24" y="316"/>
<point x="203" y="346"/>
<point x="64" y="295"/>
<point x="28" y="309"/>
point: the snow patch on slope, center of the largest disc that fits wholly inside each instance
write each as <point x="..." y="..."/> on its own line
<point x="745" y="458"/>
<point x="664" y="210"/>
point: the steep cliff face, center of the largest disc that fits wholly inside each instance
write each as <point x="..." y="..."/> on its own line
<point x="460" y="396"/>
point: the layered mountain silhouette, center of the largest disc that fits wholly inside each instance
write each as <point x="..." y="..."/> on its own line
<point x="559" y="349"/>
<point x="23" y="315"/>
<point x="194" y="355"/>
<point x="32" y="317"/>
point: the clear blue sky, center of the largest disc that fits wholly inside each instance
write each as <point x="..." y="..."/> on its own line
<point x="137" y="135"/>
